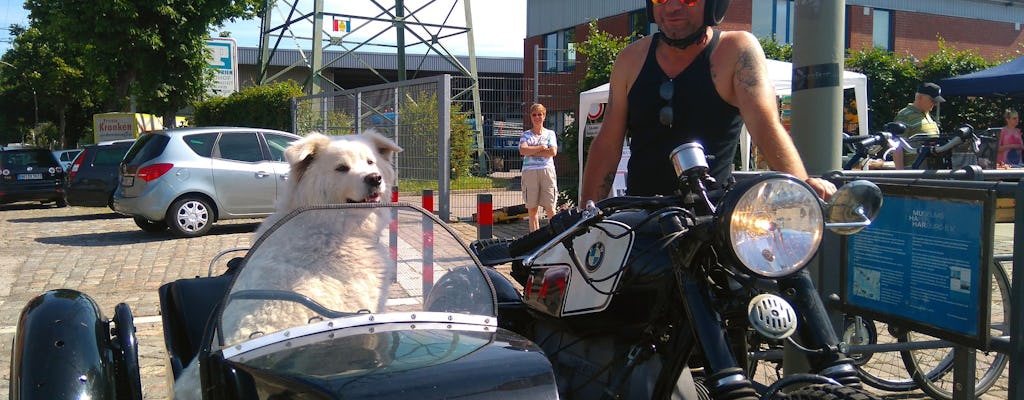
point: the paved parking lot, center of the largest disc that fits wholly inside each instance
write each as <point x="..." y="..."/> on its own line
<point x="110" y="259"/>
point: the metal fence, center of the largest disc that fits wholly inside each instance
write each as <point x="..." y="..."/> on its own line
<point x="417" y="115"/>
<point x="504" y="106"/>
<point x="414" y="113"/>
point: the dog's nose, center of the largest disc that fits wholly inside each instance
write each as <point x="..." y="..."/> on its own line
<point x="373" y="179"/>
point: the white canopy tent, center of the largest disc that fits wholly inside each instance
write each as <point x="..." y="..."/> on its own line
<point x="592" y="104"/>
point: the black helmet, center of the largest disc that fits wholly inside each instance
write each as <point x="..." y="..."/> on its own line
<point x="714" y="11"/>
<point x="895" y="128"/>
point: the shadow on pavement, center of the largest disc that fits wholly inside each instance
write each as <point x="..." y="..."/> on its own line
<point x="26" y="206"/>
<point x="138" y="236"/>
<point x="70" y="218"/>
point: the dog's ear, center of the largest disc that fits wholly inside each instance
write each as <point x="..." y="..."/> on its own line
<point x="384" y="146"/>
<point x="301" y="153"/>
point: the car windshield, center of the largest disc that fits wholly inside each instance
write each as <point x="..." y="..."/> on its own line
<point x="20" y="159"/>
<point x="337" y="267"/>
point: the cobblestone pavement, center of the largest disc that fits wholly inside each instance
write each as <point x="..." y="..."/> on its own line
<point x="109" y="258"/>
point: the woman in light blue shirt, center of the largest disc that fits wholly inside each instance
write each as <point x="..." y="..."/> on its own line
<point x="538" y="148"/>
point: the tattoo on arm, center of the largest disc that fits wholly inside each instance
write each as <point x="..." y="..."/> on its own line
<point x="606" y="184"/>
<point x="749" y="74"/>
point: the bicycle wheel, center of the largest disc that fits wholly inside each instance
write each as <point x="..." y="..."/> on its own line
<point x="883" y="370"/>
<point x="990" y="365"/>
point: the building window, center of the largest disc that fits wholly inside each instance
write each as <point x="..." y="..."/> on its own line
<point x="559" y="52"/>
<point x="773" y="18"/>
<point x="881" y="30"/>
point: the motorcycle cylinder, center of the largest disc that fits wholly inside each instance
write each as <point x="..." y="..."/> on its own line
<point x="62" y="349"/>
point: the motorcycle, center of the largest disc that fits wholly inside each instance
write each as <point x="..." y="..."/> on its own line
<point x="663" y="297"/>
<point x="428" y="341"/>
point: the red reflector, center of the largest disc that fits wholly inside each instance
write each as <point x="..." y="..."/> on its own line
<point x="75" y="167"/>
<point x="151" y="172"/>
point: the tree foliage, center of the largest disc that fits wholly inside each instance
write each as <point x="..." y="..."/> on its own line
<point x="46" y="80"/>
<point x="267" y="106"/>
<point x="601" y="48"/>
<point x="154" y="50"/>
<point x="418" y="124"/>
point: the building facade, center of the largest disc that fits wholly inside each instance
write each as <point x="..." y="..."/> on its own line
<point x="913" y="27"/>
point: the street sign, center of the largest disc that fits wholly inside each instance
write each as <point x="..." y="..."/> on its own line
<point x="224" y="62"/>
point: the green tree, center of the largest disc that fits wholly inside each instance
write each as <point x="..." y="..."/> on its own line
<point x="49" y="78"/>
<point x="267" y="106"/>
<point x="154" y="50"/>
<point x="892" y="81"/>
<point x="600" y="49"/>
<point x="775" y="50"/>
<point x="958" y="110"/>
<point x="418" y="125"/>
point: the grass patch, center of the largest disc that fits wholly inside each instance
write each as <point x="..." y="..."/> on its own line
<point x="461" y="183"/>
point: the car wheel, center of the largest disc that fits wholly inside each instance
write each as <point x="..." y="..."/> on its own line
<point x="189" y="217"/>
<point x="150" y="226"/>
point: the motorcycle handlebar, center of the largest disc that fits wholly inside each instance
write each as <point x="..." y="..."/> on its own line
<point x="961" y="135"/>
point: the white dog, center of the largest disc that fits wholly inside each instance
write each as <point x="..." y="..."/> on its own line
<point x="343" y="273"/>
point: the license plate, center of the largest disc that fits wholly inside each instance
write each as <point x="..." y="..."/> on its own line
<point x="127" y="180"/>
<point x="25" y="177"/>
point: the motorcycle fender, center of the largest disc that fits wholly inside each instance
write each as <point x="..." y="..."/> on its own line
<point x="512" y="311"/>
<point x="62" y="349"/>
<point x="503" y="288"/>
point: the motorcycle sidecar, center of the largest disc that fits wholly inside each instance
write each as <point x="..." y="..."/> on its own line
<point x="64" y="348"/>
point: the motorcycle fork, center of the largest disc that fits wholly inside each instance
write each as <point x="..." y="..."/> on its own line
<point x="816" y="329"/>
<point x="724" y="376"/>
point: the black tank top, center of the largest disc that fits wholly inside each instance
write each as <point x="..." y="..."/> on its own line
<point x="699" y="114"/>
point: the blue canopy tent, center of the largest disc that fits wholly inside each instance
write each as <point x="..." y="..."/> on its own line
<point x="1005" y="79"/>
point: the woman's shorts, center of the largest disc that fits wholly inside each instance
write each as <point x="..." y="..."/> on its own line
<point x="540" y="188"/>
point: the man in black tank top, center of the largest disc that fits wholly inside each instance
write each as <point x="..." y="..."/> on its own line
<point x="686" y="83"/>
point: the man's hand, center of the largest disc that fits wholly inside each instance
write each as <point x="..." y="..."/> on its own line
<point x="823" y="188"/>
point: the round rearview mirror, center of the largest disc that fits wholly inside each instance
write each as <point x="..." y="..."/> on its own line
<point x="853" y="207"/>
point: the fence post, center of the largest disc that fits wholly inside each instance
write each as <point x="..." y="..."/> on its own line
<point x="484" y="216"/>
<point x="1016" y="375"/>
<point x="393" y="236"/>
<point x="428" y="243"/>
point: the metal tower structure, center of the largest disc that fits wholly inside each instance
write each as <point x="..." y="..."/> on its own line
<point x="421" y="26"/>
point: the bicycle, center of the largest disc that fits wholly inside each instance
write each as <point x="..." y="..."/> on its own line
<point x="875" y="148"/>
<point x="938" y="382"/>
<point x="941" y="148"/>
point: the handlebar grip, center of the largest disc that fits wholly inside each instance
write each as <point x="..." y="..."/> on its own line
<point x="955" y="141"/>
<point x="559" y="223"/>
<point x="530" y="242"/>
<point x="856" y="139"/>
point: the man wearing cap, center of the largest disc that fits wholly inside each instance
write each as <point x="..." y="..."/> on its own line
<point x="918" y="120"/>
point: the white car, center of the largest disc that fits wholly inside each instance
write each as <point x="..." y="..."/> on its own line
<point x="64" y="157"/>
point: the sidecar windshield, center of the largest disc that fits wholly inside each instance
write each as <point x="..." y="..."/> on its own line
<point x="354" y="266"/>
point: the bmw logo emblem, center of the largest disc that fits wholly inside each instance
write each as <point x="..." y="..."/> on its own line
<point x="594" y="256"/>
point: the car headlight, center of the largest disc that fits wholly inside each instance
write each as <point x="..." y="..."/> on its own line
<point x="773" y="224"/>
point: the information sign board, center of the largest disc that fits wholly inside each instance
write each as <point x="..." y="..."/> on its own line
<point x="924" y="263"/>
<point x="224" y="63"/>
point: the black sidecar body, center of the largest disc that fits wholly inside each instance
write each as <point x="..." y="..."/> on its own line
<point x="436" y="334"/>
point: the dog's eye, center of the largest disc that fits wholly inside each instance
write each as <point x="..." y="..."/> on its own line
<point x="370" y="162"/>
<point x="342" y="168"/>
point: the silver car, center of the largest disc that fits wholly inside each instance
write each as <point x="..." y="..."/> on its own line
<point x="186" y="179"/>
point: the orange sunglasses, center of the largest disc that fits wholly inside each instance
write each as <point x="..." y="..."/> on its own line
<point x="690" y="3"/>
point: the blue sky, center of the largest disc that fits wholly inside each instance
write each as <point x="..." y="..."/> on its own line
<point x="499" y="26"/>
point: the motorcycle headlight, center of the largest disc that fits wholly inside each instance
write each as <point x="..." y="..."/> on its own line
<point x="772" y="224"/>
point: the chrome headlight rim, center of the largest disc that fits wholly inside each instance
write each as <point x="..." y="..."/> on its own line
<point x="810" y="231"/>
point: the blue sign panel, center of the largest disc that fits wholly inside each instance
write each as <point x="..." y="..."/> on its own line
<point x="924" y="262"/>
